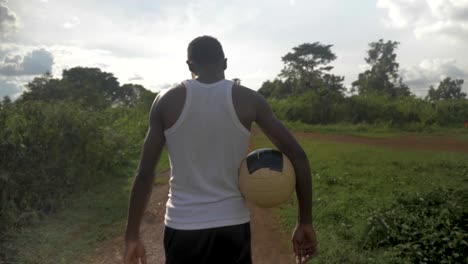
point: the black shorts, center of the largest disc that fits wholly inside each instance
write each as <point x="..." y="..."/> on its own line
<point x="227" y="245"/>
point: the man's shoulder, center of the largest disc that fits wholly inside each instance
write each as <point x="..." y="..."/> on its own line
<point x="175" y="90"/>
<point x="245" y="93"/>
<point x="167" y="99"/>
<point x="168" y="96"/>
<point x="243" y="90"/>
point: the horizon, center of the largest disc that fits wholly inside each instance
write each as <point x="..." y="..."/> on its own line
<point x="145" y="42"/>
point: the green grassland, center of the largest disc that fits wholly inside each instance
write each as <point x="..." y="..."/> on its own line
<point x="383" y="130"/>
<point x="91" y="216"/>
<point x="351" y="182"/>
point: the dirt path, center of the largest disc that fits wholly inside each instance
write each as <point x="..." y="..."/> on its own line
<point x="269" y="243"/>
<point x="437" y="143"/>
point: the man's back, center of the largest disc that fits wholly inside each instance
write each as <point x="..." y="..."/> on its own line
<point x="206" y="144"/>
<point x="244" y="101"/>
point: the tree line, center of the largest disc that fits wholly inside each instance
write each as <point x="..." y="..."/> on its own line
<point x="65" y="135"/>
<point x="305" y="90"/>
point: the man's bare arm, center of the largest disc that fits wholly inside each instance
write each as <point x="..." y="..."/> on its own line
<point x="286" y="143"/>
<point x="143" y="183"/>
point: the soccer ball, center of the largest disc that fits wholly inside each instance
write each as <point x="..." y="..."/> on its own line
<point x="266" y="178"/>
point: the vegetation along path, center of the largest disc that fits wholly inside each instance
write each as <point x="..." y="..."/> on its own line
<point x="270" y="244"/>
<point x="435" y="143"/>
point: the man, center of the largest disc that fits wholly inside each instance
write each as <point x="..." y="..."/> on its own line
<point x="206" y="123"/>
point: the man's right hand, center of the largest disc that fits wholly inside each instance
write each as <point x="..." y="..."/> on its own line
<point x="304" y="243"/>
<point x="135" y="252"/>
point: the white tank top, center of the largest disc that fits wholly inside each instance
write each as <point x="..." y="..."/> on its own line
<point x="206" y="146"/>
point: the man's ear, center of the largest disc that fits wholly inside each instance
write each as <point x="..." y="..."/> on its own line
<point x="190" y="65"/>
<point x="225" y="64"/>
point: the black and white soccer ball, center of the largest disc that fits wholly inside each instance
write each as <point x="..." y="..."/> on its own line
<point x="267" y="178"/>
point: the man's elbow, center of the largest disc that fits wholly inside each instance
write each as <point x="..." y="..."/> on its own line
<point x="297" y="155"/>
<point x="144" y="176"/>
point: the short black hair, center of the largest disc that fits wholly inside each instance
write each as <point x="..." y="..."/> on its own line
<point x="205" y="50"/>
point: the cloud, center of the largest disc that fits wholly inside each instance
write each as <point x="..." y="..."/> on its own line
<point x="75" y="21"/>
<point x="10" y="88"/>
<point x="444" y="18"/>
<point x="451" y="29"/>
<point x="430" y="72"/>
<point x="165" y="86"/>
<point x="135" y="77"/>
<point x="101" y="66"/>
<point x="36" y="62"/>
<point x="403" y="13"/>
<point x="8" y="20"/>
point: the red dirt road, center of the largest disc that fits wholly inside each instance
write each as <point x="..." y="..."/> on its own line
<point x="270" y="245"/>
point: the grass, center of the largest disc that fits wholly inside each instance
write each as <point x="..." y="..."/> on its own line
<point x="91" y="216"/>
<point x="383" y="130"/>
<point x="352" y="181"/>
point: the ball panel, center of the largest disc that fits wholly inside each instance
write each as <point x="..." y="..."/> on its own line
<point x="265" y="158"/>
<point x="266" y="180"/>
<point x="268" y="199"/>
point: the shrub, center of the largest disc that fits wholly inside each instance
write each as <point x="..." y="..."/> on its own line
<point x="407" y="113"/>
<point x="48" y="149"/>
<point x="429" y="228"/>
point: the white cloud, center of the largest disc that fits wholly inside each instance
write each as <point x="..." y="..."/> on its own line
<point x="451" y="29"/>
<point x="165" y="86"/>
<point x="35" y="62"/>
<point x="8" y="20"/>
<point x="403" y="13"/>
<point x="430" y="72"/>
<point x="74" y="21"/>
<point x="443" y="18"/>
<point x="136" y="77"/>
<point x="364" y="67"/>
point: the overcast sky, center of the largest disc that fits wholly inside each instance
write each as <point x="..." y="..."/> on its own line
<point x="144" y="41"/>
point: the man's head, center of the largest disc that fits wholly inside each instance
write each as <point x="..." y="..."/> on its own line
<point x="205" y="53"/>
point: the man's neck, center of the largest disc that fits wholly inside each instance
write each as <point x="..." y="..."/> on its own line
<point x="210" y="78"/>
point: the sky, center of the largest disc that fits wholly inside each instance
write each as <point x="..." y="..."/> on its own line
<point x="145" y="41"/>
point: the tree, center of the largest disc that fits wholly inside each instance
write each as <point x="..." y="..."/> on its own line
<point x="382" y="77"/>
<point x="45" y="88"/>
<point x="237" y="81"/>
<point x="276" y="89"/>
<point x="308" y="59"/>
<point x="306" y="68"/>
<point x="130" y="94"/>
<point x="91" y="86"/>
<point x="447" y="89"/>
<point x="6" y="100"/>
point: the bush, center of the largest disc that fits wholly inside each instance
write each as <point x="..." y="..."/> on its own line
<point x="310" y="108"/>
<point x="451" y="111"/>
<point x="400" y="112"/>
<point x="429" y="228"/>
<point x="49" y="149"/>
